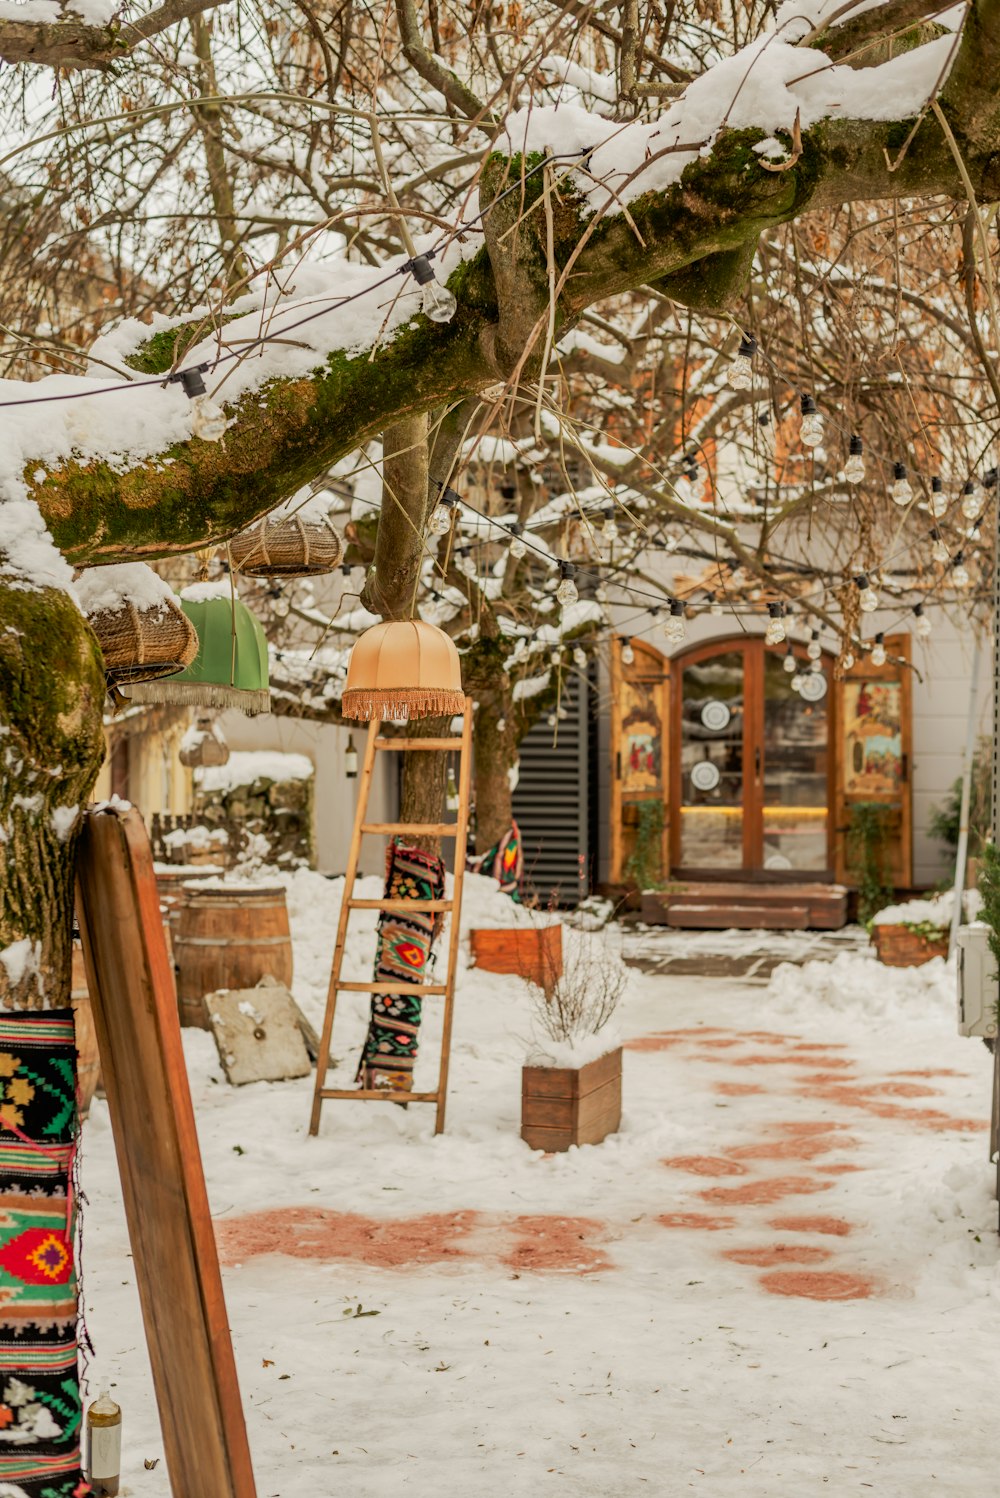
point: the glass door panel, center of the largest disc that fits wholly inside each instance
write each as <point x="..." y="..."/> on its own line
<point x="796" y="780"/>
<point x="712" y="762"/>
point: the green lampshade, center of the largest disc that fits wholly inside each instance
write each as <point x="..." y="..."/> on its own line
<point x="230" y="669"/>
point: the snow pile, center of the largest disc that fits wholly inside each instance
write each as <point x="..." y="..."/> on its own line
<point x="103" y="589"/>
<point x="544" y="1051"/>
<point x="934" y="911"/>
<point x="766" y="86"/>
<point x="219" y="587"/>
<point x="244" y="766"/>
<point x="857" y="984"/>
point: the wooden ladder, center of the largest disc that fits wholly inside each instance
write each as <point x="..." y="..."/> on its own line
<point x="458" y="830"/>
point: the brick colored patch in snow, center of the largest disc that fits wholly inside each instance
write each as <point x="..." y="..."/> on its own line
<point x="652" y="1042"/>
<point x="778" y="1253"/>
<point x="556" y="1243"/>
<point x="700" y="1220"/>
<point x="706" y="1165"/>
<point x="795" y="1147"/>
<point x="822" y="1284"/>
<point x="835" y="1226"/>
<point x="737" y="1089"/>
<point x="760" y="1193"/>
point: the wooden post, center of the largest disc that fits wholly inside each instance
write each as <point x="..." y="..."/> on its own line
<point x="166" y="1204"/>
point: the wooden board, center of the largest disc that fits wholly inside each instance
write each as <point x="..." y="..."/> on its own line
<point x="258" y="1034"/>
<point x="166" y="1204"/>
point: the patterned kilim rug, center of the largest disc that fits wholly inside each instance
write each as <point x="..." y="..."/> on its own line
<point x="402" y="955"/>
<point x="504" y="861"/>
<point x="39" y="1384"/>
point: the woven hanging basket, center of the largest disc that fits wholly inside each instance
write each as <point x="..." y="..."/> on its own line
<point x="403" y="669"/>
<point x="144" y="644"/>
<point x="286" y="546"/>
<point x="204" y="745"/>
<point x="230" y="666"/>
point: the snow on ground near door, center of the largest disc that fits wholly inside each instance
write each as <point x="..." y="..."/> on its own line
<point x="782" y="1277"/>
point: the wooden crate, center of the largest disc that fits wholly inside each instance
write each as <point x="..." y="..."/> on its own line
<point x="561" y="1106"/>
<point x="899" y="946"/>
<point x="534" y="952"/>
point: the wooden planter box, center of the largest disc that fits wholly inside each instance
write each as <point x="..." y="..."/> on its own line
<point x="561" y="1105"/>
<point x="533" y="952"/>
<point x="898" y="946"/>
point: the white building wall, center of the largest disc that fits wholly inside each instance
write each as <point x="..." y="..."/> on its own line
<point x="335" y="795"/>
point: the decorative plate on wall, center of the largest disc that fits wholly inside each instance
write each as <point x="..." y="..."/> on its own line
<point x="715" y="715"/>
<point x="705" y="775"/>
<point x="813" y="688"/>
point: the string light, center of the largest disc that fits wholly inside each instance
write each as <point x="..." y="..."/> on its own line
<point x="436" y="301"/>
<point x="959" y="571"/>
<point x="939" y="551"/>
<point x="609" y="530"/>
<point x="814" y="649"/>
<point x="208" y="421"/>
<point x="811" y="429"/>
<point x="922" y="624"/>
<point x="867" y="597"/>
<point x="674" y="629"/>
<point x="938" y="502"/>
<point x="971" y="503"/>
<point x="442" y="514"/>
<point x="628" y="654"/>
<point x="878" y="651"/>
<point x="567" y="590"/>
<point x="580" y="657"/>
<point x="854" y="468"/>
<point x="901" y="491"/>
<point x="740" y="374"/>
<point x="694" y="477"/>
<point x="775" y="632"/>
<point x="790" y="663"/>
<point x="517" y="547"/>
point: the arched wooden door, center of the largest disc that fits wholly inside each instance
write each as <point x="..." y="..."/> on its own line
<point x="640" y="754"/>
<point x="752" y="783"/>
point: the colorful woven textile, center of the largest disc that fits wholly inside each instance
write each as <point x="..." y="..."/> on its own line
<point x="39" y="1385"/>
<point x="504" y="861"/>
<point x="402" y="955"/>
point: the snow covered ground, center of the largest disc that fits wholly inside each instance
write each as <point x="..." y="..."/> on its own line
<point x="782" y="1277"/>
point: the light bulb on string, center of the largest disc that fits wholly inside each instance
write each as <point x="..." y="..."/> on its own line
<point x="436" y="301"/>
<point x="442" y="513"/>
<point x="580" y="657"/>
<point x="796" y="682"/>
<point x="765" y="433"/>
<point x="959" y="571"/>
<point x="789" y="663"/>
<point x="208" y="421"/>
<point x="628" y="654"/>
<point x="854" y="468"/>
<point x="878" y="651"/>
<point x="921" y="624"/>
<point x="939" y="551"/>
<point x="566" y="592"/>
<point x="674" y="629"/>
<point x="814" y="649"/>
<point x="555" y="658"/>
<point x="901" y="491"/>
<point x="938" y="502"/>
<point x="775" y="632"/>
<point x="811" y="428"/>
<point x="517" y="549"/>
<point x="971" y="502"/>
<point x="694" y="477"/>
<point x="867" y="597"/>
<point x="501" y="725"/>
<point x="740" y="373"/>
<point x="551" y="720"/>
<point x="609" y="530"/>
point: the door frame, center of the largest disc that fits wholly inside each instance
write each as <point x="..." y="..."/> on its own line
<point x="654" y="668"/>
<point x="754" y="653"/>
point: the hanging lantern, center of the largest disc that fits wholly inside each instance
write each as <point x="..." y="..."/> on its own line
<point x="301" y="544"/>
<point x="204" y="745"/>
<point x="140" y="627"/>
<point x="230" y="668"/>
<point x="403" y="669"/>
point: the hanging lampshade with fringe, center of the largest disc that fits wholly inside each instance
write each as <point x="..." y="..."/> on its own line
<point x="230" y="668"/>
<point x="403" y="669"/>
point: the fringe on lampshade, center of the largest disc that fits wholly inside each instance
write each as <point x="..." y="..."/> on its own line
<point x="366" y="703"/>
<point x="201" y="694"/>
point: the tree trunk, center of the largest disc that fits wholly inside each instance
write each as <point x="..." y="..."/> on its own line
<point x="51" y="746"/>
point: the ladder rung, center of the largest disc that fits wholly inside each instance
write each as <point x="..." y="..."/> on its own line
<point x="380" y="1094"/>
<point x="415" y="988"/>
<point x="452" y="743"/>
<point x="426" y="829"/>
<point x="413" y="905"/>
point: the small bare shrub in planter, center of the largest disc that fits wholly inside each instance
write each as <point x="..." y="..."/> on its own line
<point x="571" y="1083"/>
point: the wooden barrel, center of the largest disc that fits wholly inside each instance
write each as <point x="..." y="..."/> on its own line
<point x="228" y="937"/>
<point x="88" y="1063"/>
